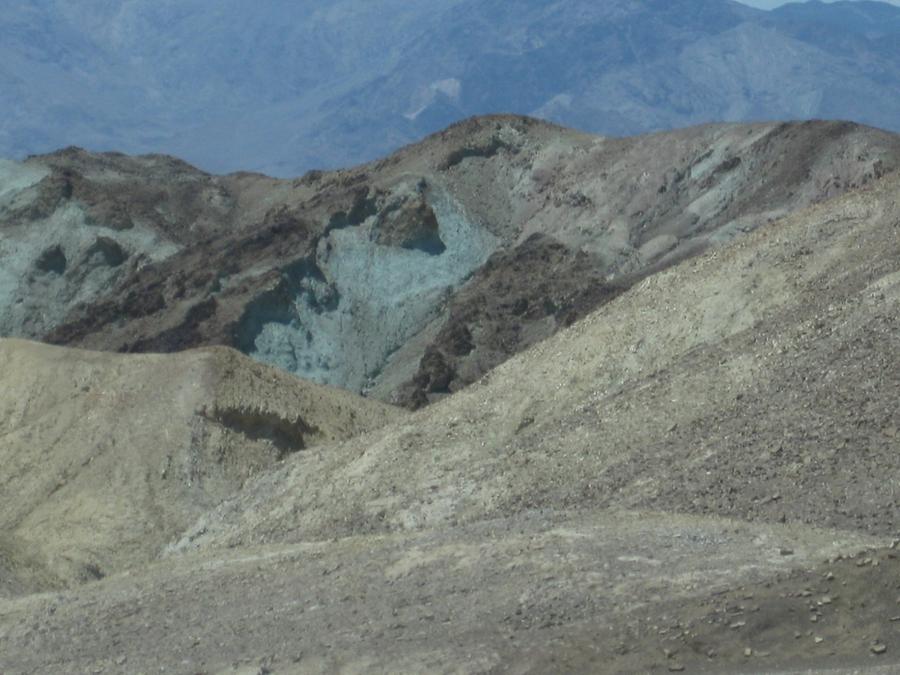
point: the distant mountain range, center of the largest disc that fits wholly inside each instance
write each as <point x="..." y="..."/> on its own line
<point x="281" y="86"/>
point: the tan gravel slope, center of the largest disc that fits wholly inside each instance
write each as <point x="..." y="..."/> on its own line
<point x="106" y="457"/>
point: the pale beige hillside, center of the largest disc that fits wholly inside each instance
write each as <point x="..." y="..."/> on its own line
<point x="106" y="457"/>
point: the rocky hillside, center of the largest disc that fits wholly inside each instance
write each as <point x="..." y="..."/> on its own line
<point x="699" y="475"/>
<point x="408" y="278"/>
<point x="283" y="87"/>
<point x="752" y="382"/>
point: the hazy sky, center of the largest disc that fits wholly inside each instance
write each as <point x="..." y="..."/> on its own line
<point x="769" y="4"/>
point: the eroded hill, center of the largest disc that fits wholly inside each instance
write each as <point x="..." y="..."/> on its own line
<point x="108" y="457"/>
<point x="408" y="278"/>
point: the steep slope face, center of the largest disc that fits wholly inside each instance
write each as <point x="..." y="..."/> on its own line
<point x="699" y="476"/>
<point x="107" y="457"/>
<point x="394" y="278"/>
<point x="282" y="87"/>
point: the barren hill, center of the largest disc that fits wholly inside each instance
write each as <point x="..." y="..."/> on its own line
<point x="408" y="278"/>
<point x="106" y="458"/>
<point x="699" y="475"/>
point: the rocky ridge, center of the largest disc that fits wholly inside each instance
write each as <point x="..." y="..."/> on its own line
<point x="393" y="278"/>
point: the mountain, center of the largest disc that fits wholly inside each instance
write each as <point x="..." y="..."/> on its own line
<point x="699" y="475"/>
<point x="282" y="87"/>
<point x="406" y="279"/>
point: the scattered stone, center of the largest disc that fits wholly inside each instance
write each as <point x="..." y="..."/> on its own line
<point x="738" y="624"/>
<point x="818" y="640"/>
<point x="878" y="648"/>
<point x="676" y="667"/>
<point x="785" y="551"/>
<point x="748" y="652"/>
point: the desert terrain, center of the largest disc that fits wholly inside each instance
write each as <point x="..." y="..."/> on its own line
<point x="514" y="399"/>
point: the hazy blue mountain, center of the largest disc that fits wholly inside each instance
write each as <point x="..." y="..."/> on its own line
<point x="285" y="85"/>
